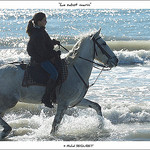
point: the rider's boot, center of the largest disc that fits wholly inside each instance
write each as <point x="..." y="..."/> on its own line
<point x="49" y="93"/>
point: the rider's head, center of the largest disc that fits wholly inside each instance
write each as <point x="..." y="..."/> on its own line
<point x="38" y="19"/>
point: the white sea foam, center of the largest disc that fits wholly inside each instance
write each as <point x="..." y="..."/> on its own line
<point x="123" y="94"/>
<point x="125" y="57"/>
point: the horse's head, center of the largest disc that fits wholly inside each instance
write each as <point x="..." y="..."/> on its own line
<point x="102" y="51"/>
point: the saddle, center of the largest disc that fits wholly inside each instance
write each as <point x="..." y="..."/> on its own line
<point x="35" y="75"/>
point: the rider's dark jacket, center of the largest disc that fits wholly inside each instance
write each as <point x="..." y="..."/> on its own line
<point x="40" y="46"/>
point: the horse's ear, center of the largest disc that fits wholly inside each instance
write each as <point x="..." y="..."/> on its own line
<point x="97" y="33"/>
<point x="99" y="30"/>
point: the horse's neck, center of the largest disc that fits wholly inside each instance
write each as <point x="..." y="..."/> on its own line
<point x="84" y="67"/>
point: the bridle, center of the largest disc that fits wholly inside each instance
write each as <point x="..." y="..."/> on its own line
<point x="95" y="53"/>
<point x="100" y="47"/>
<point x="102" y="50"/>
<point x="104" y="67"/>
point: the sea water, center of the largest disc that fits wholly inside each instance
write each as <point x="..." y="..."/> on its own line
<point x="123" y="92"/>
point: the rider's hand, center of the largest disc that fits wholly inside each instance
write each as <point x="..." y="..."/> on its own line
<point x="59" y="52"/>
<point x="56" y="42"/>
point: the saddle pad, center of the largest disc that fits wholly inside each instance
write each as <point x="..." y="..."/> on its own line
<point x="35" y="75"/>
<point x="63" y="73"/>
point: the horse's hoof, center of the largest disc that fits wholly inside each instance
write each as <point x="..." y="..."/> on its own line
<point x="52" y="132"/>
<point x="5" y="132"/>
<point x="101" y="122"/>
<point x="101" y="114"/>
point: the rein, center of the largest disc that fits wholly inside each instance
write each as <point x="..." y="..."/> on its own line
<point x="100" y="65"/>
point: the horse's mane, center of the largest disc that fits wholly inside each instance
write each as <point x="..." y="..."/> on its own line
<point x="74" y="53"/>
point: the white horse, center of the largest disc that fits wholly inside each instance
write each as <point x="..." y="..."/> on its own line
<point x="73" y="89"/>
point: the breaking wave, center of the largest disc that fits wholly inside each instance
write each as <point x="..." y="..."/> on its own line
<point x="128" y="52"/>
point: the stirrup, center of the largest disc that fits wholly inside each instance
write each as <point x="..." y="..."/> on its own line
<point x="49" y="105"/>
<point x="46" y="102"/>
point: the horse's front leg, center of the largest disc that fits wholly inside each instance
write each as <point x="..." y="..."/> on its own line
<point x="61" y="109"/>
<point x="88" y="104"/>
<point x="85" y="103"/>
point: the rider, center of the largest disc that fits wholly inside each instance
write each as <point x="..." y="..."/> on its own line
<point x="40" y="48"/>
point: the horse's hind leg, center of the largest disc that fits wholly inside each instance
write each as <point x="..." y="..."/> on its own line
<point x="5" y="104"/>
<point x="7" y="129"/>
<point x="88" y="104"/>
<point x="61" y="109"/>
